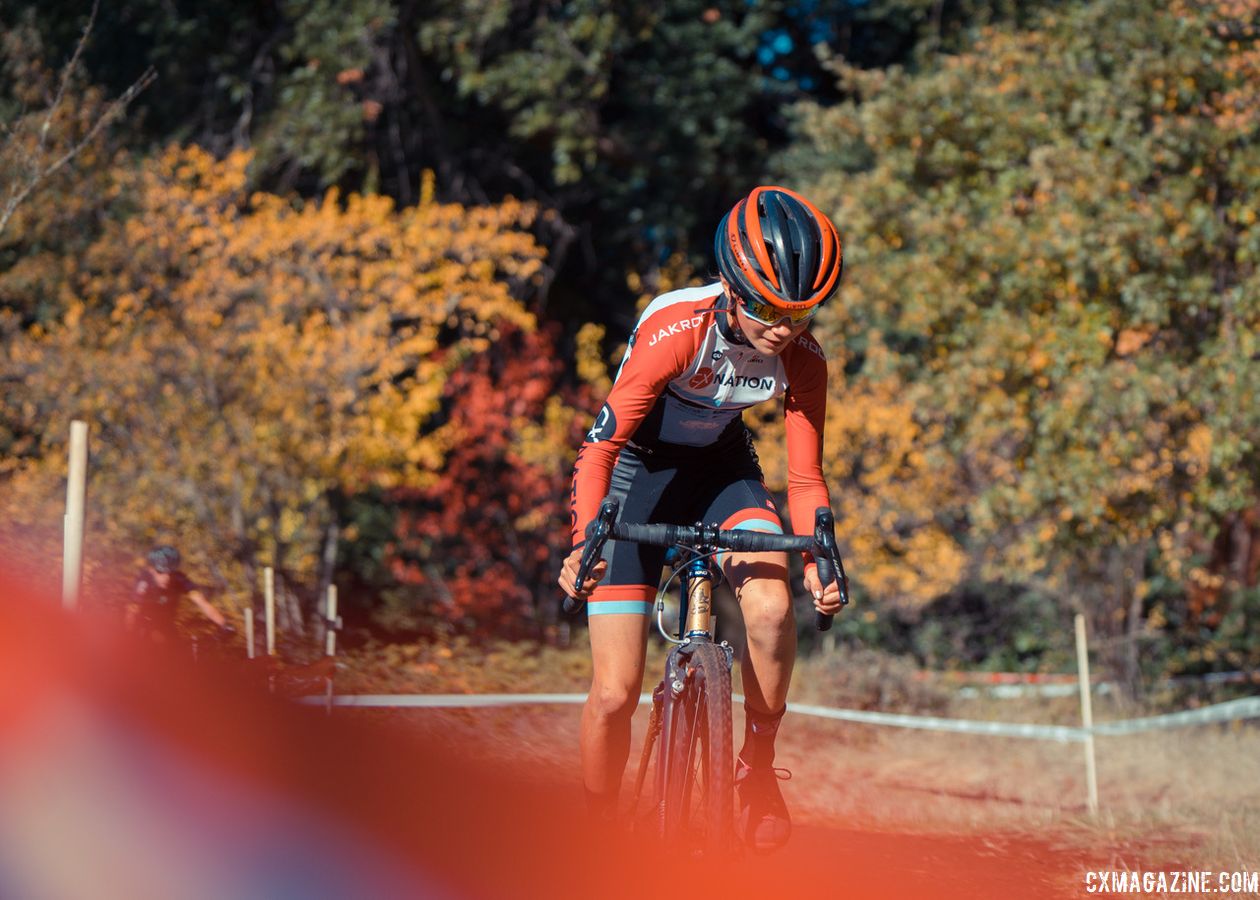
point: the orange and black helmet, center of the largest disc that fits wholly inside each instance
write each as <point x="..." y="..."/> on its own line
<point x="776" y="247"/>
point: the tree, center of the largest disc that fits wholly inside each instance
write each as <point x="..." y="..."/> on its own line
<point x="479" y="549"/>
<point x="46" y="124"/>
<point x="248" y="361"/>
<point x="1060" y="263"/>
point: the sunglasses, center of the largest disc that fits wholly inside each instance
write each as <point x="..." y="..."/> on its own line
<point x="769" y="314"/>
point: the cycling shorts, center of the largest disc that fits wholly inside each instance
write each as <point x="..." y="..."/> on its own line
<point x="723" y="488"/>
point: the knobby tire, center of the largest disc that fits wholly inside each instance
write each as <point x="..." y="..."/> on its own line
<point x="698" y="797"/>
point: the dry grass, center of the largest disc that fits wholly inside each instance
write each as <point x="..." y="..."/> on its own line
<point x="1186" y="798"/>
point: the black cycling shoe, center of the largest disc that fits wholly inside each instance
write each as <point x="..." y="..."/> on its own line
<point x="763" y="821"/>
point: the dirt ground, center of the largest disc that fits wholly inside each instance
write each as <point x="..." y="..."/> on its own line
<point x="1002" y="817"/>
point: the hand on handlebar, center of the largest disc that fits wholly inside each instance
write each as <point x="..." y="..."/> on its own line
<point x="568" y="575"/>
<point x="826" y="601"/>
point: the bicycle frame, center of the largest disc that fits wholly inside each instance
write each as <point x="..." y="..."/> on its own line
<point x="696" y="613"/>
<point x="712" y="661"/>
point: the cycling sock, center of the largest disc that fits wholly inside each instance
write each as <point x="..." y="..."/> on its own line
<point x="760" y="730"/>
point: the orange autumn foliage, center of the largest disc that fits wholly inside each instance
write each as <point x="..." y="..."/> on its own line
<point x="244" y="358"/>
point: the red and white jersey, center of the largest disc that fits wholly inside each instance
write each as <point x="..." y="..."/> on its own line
<point x="683" y="386"/>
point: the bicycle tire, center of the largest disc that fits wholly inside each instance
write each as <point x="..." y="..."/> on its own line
<point x="698" y="797"/>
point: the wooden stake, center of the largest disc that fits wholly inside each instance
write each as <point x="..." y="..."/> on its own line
<point x="330" y="635"/>
<point x="249" y="632"/>
<point x="330" y="644"/>
<point x="1087" y="715"/>
<point x="76" y="494"/>
<point x="269" y="603"/>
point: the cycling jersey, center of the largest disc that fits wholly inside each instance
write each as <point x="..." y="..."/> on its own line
<point x="679" y="395"/>
<point x="158" y="605"/>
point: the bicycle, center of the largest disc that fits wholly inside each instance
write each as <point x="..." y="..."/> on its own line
<point x="692" y="799"/>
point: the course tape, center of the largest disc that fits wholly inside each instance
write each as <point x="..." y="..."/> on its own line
<point x="1061" y="733"/>
<point x="1245" y="708"/>
<point x="451" y="701"/>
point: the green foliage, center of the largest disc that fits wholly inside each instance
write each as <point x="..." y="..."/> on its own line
<point x="318" y="122"/>
<point x="998" y="628"/>
<point x="1053" y="237"/>
<point x="644" y="118"/>
<point x="1045" y="356"/>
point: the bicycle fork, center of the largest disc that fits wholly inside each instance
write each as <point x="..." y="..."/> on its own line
<point x="695" y="623"/>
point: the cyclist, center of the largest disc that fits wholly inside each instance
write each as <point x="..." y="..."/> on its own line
<point x="159" y="588"/>
<point x="671" y="444"/>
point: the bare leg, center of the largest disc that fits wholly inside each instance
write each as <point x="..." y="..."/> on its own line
<point x="618" y="649"/>
<point x="760" y="582"/>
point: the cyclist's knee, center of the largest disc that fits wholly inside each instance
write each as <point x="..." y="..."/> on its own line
<point x="613" y="700"/>
<point x="766" y="606"/>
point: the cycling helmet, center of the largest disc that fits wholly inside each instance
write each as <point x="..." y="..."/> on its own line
<point x="164" y="558"/>
<point x="776" y="247"/>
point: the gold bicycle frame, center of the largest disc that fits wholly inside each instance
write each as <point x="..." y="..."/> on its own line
<point x="699" y="606"/>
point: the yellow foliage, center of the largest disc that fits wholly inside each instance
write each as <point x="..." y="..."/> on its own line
<point x="888" y="483"/>
<point x="591" y="367"/>
<point x="242" y="357"/>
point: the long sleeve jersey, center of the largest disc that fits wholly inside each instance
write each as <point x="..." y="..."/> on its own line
<point x="683" y="386"/>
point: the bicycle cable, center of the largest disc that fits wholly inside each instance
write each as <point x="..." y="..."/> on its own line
<point x="660" y="594"/>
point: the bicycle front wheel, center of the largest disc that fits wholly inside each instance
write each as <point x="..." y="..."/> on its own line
<point x="698" y="792"/>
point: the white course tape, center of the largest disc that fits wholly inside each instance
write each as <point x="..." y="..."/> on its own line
<point x="452" y="701"/>
<point x="1060" y="733"/>
<point x="1246" y="708"/>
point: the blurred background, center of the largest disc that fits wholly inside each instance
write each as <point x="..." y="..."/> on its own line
<point x="338" y="285"/>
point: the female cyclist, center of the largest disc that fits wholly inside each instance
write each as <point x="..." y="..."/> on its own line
<point x="671" y="444"/>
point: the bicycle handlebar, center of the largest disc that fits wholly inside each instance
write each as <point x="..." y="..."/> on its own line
<point x="822" y="545"/>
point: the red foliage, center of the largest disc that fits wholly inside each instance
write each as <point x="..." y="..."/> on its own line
<point x="484" y="543"/>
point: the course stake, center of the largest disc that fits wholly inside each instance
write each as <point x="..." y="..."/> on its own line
<point x="76" y="492"/>
<point x="1087" y="715"/>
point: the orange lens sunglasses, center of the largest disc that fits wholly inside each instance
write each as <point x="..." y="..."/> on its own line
<point x="769" y="314"/>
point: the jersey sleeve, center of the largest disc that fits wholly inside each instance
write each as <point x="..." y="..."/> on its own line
<point x="182" y="584"/>
<point x="661" y="349"/>
<point x="805" y="413"/>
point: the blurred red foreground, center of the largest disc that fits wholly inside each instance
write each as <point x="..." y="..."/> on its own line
<point x="128" y="775"/>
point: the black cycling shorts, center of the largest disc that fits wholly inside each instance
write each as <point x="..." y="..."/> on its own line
<point x="723" y="488"/>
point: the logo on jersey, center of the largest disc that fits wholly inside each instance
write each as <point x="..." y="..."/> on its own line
<point x="676" y="328"/>
<point x="717" y="354"/>
<point x="746" y="381"/>
<point x="810" y="344"/>
<point x="706" y="376"/>
<point x="604" y="428"/>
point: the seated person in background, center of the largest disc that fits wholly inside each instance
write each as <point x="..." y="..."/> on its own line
<point x="158" y="590"/>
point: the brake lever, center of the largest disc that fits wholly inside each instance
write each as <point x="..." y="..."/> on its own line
<point x="597" y="531"/>
<point x="830" y="565"/>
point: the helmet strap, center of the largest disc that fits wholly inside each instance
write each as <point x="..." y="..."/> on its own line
<point x="728" y="325"/>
